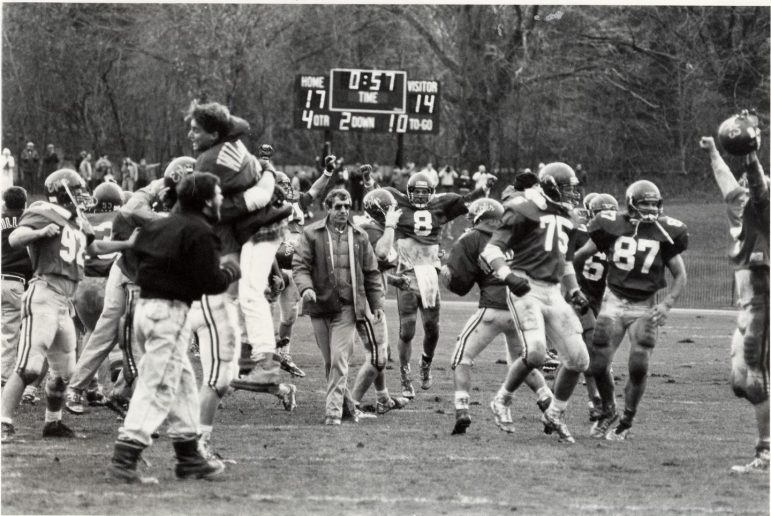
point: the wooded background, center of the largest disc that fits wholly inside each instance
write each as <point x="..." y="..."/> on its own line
<point x="626" y="91"/>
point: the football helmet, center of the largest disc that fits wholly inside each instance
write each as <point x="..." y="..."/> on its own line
<point x="602" y="202"/>
<point x="420" y="189"/>
<point x="108" y="196"/>
<point x="644" y="201"/>
<point x="588" y="199"/>
<point x="65" y="187"/>
<point x="284" y="184"/>
<point x="740" y="135"/>
<point x="377" y="202"/>
<point x="485" y="209"/>
<point x="559" y="181"/>
<point x="178" y="168"/>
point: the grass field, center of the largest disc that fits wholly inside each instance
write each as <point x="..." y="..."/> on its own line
<point x="689" y="431"/>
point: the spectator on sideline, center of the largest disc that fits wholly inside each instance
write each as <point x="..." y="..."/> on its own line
<point x="50" y="161"/>
<point x="447" y="177"/>
<point x="583" y="176"/>
<point x="481" y="179"/>
<point x="87" y="172"/>
<point x="129" y="174"/>
<point x="7" y="170"/>
<point x="103" y="170"/>
<point x="30" y="166"/>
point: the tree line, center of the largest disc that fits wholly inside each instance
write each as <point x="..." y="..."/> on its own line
<point x="626" y="91"/>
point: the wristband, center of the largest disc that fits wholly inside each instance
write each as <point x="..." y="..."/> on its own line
<point x="328" y="173"/>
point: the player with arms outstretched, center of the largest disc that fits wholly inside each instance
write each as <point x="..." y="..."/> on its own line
<point x="528" y="253"/>
<point x="418" y="234"/>
<point x="640" y="245"/>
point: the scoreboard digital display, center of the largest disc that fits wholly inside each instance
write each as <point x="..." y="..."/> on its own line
<point x="379" y="101"/>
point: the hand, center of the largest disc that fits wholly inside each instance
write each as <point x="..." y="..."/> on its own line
<point x="265" y="151"/>
<point x="579" y="301"/>
<point x="658" y="314"/>
<point x="366" y="171"/>
<point x="329" y="163"/>
<point x="518" y="286"/>
<point x="49" y="231"/>
<point x="232" y="269"/>
<point x="309" y="296"/>
<point x="708" y="143"/>
<point x="379" y="315"/>
<point x="401" y="282"/>
<point x="276" y="284"/>
<point x="133" y="237"/>
<point x="392" y="216"/>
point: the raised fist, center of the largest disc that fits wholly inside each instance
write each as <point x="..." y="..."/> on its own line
<point x="329" y="163"/>
<point x="265" y="151"/>
<point x="366" y="171"/>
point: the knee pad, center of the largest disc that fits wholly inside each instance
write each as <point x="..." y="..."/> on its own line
<point x="534" y="354"/>
<point x="577" y="358"/>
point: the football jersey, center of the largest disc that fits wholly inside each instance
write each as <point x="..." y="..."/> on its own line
<point x="62" y="254"/>
<point x="591" y="278"/>
<point x="637" y="252"/>
<point x="375" y="233"/>
<point x="467" y="268"/>
<point x="538" y="231"/>
<point x="232" y="163"/>
<point x="99" y="265"/>
<point x="746" y="226"/>
<point x="15" y="260"/>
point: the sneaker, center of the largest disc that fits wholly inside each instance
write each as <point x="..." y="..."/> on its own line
<point x="118" y="405"/>
<point x="462" y="421"/>
<point x="332" y="421"/>
<point x="359" y="414"/>
<point x="59" y="429"/>
<point x="30" y="396"/>
<point x="544" y="404"/>
<point x="8" y="431"/>
<point x="502" y="413"/>
<point x="602" y="425"/>
<point x="407" y="390"/>
<point x="620" y="433"/>
<point x="287" y="395"/>
<point x="288" y="365"/>
<point x="391" y="404"/>
<point x="73" y="402"/>
<point x="758" y="465"/>
<point x="557" y="424"/>
<point x="95" y="397"/>
<point x="426" y="380"/>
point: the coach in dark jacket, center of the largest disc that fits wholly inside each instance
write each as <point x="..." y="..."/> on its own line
<point x="178" y="262"/>
<point x="336" y="273"/>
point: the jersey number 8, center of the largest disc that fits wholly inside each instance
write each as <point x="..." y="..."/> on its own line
<point x="423" y="222"/>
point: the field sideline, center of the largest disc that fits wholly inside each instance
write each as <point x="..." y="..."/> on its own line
<point x="689" y="431"/>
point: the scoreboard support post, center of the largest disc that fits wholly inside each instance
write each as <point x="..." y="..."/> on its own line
<point x="400" y="150"/>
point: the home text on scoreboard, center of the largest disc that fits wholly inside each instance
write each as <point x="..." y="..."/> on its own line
<point x="380" y="101"/>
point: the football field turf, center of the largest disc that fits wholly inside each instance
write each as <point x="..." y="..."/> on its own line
<point x="689" y="430"/>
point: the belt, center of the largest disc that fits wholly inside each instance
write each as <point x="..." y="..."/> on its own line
<point x="12" y="277"/>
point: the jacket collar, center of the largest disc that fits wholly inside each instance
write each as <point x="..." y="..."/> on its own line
<point x="321" y="224"/>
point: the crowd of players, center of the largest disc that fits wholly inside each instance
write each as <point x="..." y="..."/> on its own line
<point x="555" y="272"/>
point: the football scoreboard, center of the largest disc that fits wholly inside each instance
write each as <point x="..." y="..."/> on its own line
<point x="376" y="101"/>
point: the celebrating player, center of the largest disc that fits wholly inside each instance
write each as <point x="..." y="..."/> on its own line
<point x="536" y="228"/>
<point x="464" y="269"/>
<point x="639" y="244"/>
<point x="56" y="235"/>
<point x="417" y="245"/>
<point x="748" y="214"/>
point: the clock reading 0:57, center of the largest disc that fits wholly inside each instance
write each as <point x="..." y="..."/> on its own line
<point x="372" y="81"/>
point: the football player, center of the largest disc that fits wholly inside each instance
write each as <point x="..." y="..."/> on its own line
<point x="380" y="225"/>
<point x="463" y="270"/>
<point x="748" y="215"/>
<point x="639" y="245"/>
<point x="57" y="236"/>
<point x="537" y="228"/>
<point x="417" y="245"/>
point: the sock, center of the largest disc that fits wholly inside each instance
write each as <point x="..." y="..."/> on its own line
<point x="383" y="395"/>
<point x="557" y="406"/>
<point x="628" y="416"/>
<point x="505" y="395"/>
<point x="206" y="431"/>
<point x="461" y="400"/>
<point x="425" y="360"/>
<point x="53" y="416"/>
<point x="544" y="393"/>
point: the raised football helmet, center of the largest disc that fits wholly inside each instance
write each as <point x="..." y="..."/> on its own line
<point x="588" y="199"/>
<point x="420" y="189"/>
<point x="559" y="182"/>
<point x="175" y="171"/>
<point x="66" y="188"/>
<point x="377" y="202"/>
<point x="739" y="135"/>
<point x="485" y="209"/>
<point x="602" y="202"/>
<point x="108" y="196"/>
<point x="644" y="201"/>
<point x="285" y="185"/>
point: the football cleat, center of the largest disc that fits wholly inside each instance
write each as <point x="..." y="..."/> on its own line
<point x="502" y="413"/>
<point x="602" y="425"/>
<point x="118" y="405"/>
<point x="758" y="465"/>
<point x="407" y="390"/>
<point x="288" y="365"/>
<point x="391" y="404"/>
<point x="332" y="421"/>
<point x="8" y="431"/>
<point x="59" y="429"/>
<point x="30" y="396"/>
<point x="95" y="397"/>
<point x="556" y="423"/>
<point x="190" y="462"/>
<point x="426" y="380"/>
<point x="462" y="422"/>
<point x="620" y="433"/>
<point x="287" y="395"/>
<point x="73" y="402"/>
